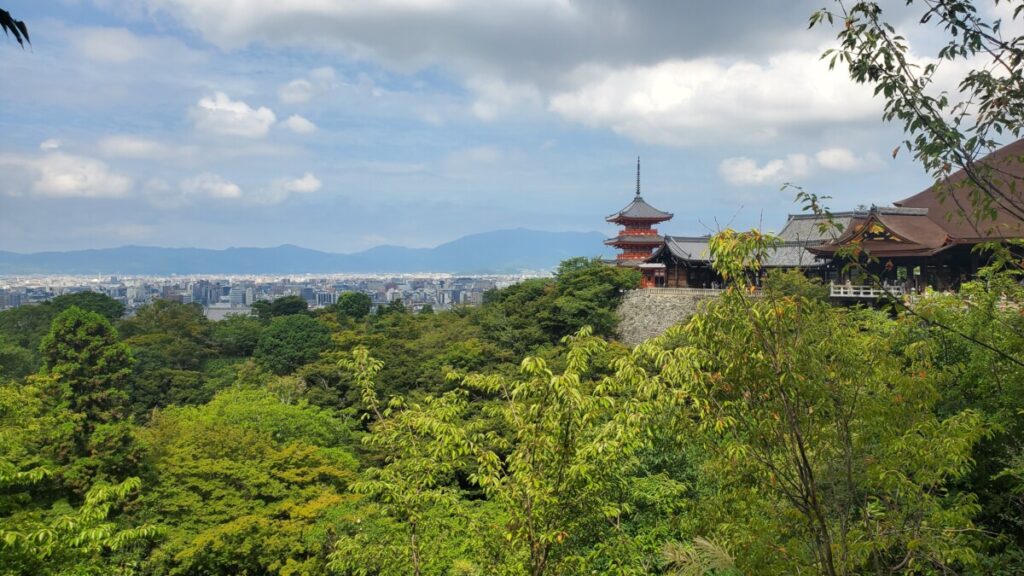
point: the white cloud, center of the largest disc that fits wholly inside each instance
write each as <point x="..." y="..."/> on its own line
<point x="742" y="171"/>
<point x="211" y="185"/>
<point x="299" y="125"/>
<point x="127" y="146"/>
<point x="323" y="74"/>
<point x="220" y="114"/>
<point x="121" y="46"/>
<point x="296" y="92"/>
<point x="843" y="159"/>
<point x="279" y="190"/>
<point x="50" y="144"/>
<point x="203" y="186"/>
<point x="680" y="102"/>
<point x="308" y="183"/>
<point x="60" y="175"/>
<point x="495" y="97"/>
<point x="746" y="172"/>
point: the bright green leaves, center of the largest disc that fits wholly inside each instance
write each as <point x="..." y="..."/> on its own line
<point x="245" y="484"/>
<point x="739" y="256"/>
<point x="421" y="446"/>
<point x="817" y="415"/>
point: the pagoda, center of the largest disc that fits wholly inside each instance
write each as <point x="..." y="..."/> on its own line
<point x="638" y="237"/>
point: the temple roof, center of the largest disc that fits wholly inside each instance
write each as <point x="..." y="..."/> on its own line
<point x="790" y="254"/>
<point x="892" y="232"/>
<point x="815" y="228"/>
<point x="688" y="247"/>
<point x="949" y="202"/>
<point x="638" y="209"/>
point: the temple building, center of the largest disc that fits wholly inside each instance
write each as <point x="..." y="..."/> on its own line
<point x="926" y="240"/>
<point x="638" y="238"/>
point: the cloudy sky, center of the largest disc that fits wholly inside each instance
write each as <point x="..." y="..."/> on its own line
<point x="342" y="125"/>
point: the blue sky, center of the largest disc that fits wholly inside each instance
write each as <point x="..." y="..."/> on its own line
<point x="343" y="125"/>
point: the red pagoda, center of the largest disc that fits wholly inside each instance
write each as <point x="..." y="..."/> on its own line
<point x="638" y="237"/>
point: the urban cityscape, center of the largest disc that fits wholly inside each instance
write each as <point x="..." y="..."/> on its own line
<point x="234" y="295"/>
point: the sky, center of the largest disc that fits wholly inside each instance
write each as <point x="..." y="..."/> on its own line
<point x="341" y="125"/>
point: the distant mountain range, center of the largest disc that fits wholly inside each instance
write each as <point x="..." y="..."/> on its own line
<point x="502" y="251"/>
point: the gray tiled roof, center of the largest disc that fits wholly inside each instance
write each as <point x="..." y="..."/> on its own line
<point x="788" y="255"/>
<point x="688" y="247"/>
<point x="792" y="255"/>
<point x="807" y="227"/>
<point x="640" y="210"/>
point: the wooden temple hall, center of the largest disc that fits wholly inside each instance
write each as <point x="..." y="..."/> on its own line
<point x="925" y="240"/>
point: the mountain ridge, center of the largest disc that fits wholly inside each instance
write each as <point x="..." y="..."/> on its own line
<point x="497" y="251"/>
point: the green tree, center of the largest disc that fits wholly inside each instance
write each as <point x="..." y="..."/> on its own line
<point x="354" y="305"/>
<point x="87" y="370"/>
<point x="15" y="361"/>
<point x="43" y="529"/>
<point x="25" y="326"/>
<point x="821" y="437"/>
<point x="562" y="477"/>
<point x="83" y="356"/>
<point x="514" y="317"/>
<point x="284" y="306"/>
<point x="422" y="445"/>
<point x="102" y="304"/>
<point x="237" y="335"/>
<point x="78" y="540"/>
<point x="172" y="343"/>
<point x="396" y="307"/>
<point x="246" y="484"/>
<point x="291" y="341"/>
<point x="587" y="291"/>
<point x="973" y="376"/>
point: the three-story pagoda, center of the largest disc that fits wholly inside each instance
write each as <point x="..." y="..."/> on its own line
<point x="638" y="237"/>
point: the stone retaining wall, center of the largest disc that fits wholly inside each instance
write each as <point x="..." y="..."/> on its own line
<point x="648" y="312"/>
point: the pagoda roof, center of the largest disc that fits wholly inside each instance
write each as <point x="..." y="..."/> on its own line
<point x="638" y="209"/>
<point x="636" y="239"/>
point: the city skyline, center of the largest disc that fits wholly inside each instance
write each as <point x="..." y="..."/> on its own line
<point x="340" y="127"/>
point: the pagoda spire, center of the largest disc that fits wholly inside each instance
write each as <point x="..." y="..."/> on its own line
<point x="638" y="237"/>
<point x="637" y="176"/>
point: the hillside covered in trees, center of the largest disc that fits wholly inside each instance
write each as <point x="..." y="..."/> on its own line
<point x="768" y="435"/>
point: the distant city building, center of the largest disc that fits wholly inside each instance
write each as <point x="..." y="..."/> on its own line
<point x="236" y="296"/>
<point x="325" y="298"/>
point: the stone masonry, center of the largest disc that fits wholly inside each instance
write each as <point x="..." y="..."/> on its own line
<point x="648" y="312"/>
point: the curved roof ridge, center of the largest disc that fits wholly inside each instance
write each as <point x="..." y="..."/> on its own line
<point x="638" y="209"/>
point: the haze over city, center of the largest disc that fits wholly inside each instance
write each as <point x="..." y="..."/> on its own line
<point x="338" y="127"/>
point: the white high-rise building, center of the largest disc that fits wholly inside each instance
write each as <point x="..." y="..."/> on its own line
<point x="236" y="296"/>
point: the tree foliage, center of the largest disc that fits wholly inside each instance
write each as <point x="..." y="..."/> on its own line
<point x="353" y="305"/>
<point x="285" y="306"/>
<point x="291" y="341"/>
<point x="944" y="132"/>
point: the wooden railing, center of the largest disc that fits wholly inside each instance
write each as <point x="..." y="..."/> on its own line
<point x="706" y="292"/>
<point x="867" y="291"/>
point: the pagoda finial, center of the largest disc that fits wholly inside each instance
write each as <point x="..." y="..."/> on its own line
<point x="637" y="176"/>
